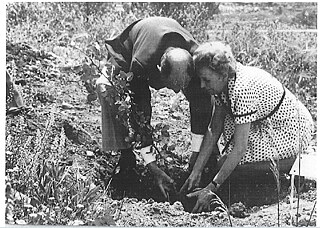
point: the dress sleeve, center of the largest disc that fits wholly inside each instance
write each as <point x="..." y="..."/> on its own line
<point x="245" y="105"/>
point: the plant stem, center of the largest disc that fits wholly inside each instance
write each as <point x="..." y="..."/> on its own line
<point x="229" y="196"/>
<point x="299" y="164"/>
<point x="121" y="205"/>
<point x="314" y="205"/>
<point x="165" y="161"/>
<point x="92" y="62"/>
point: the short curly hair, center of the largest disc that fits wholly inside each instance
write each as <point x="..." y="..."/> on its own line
<point x="217" y="56"/>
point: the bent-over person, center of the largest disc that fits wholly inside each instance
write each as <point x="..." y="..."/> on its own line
<point x="158" y="51"/>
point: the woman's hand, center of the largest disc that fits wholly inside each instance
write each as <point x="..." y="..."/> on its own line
<point x="204" y="197"/>
<point x="163" y="181"/>
<point x="192" y="182"/>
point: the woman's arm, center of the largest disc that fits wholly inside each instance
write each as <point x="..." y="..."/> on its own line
<point x="205" y="195"/>
<point x="241" y="135"/>
<point x="210" y="140"/>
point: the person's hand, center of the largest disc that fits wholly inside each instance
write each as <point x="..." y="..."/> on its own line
<point x="163" y="181"/>
<point x="165" y="184"/>
<point x="192" y="182"/>
<point x="204" y="197"/>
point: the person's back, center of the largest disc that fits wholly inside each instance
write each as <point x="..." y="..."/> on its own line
<point x="139" y="48"/>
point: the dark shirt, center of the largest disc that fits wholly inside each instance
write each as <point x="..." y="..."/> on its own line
<point x="143" y="43"/>
<point x="139" y="48"/>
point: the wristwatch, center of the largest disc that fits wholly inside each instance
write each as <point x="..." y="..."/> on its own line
<point x="216" y="185"/>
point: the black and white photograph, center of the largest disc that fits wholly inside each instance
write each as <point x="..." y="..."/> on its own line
<point x="154" y="114"/>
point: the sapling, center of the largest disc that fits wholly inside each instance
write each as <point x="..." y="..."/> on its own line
<point x="274" y="166"/>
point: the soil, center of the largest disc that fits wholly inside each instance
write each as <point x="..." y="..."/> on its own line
<point x="251" y="202"/>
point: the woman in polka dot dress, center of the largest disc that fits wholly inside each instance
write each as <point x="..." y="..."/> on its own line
<point x="256" y="119"/>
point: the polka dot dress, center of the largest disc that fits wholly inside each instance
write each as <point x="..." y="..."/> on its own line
<point x="252" y="95"/>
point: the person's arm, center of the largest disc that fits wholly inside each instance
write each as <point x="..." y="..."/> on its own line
<point x="163" y="181"/>
<point x="245" y="112"/>
<point x="210" y="140"/>
<point x="205" y="195"/>
<point x="200" y="114"/>
<point x="241" y="135"/>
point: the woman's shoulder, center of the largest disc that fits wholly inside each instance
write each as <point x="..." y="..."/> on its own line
<point x="243" y="70"/>
<point x="254" y="79"/>
<point x="252" y="75"/>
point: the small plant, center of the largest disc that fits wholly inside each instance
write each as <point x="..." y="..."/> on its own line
<point x="274" y="166"/>
<point x="116" y="92"/>
<point x="41" y="188"/>
<point x="221" y="206"/>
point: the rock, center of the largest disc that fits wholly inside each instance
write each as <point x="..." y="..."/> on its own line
<point x="114" y="153"/>
<point x="21" y="222"/>
<point x="76" y="133"/>
<point x="106" y="220"/>
<point x="90" y="154"/>
<point x="176" y="116"/>
<point x="178" y="206"/>
<point x="255" y="209"/>
<point x="238" y="210"/>
<point x="76" y="223"/>
<point x="66" y="106"/>
<point x="8" y="152"/>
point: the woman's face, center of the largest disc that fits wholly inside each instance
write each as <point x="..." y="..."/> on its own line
<point x="213" y="82"/>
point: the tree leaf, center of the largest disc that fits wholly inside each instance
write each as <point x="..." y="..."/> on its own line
<point x="86" y="73"/>
<point x="91" y="97"/>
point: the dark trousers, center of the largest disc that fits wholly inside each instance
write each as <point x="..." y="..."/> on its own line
<point x="142" y="100"/>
